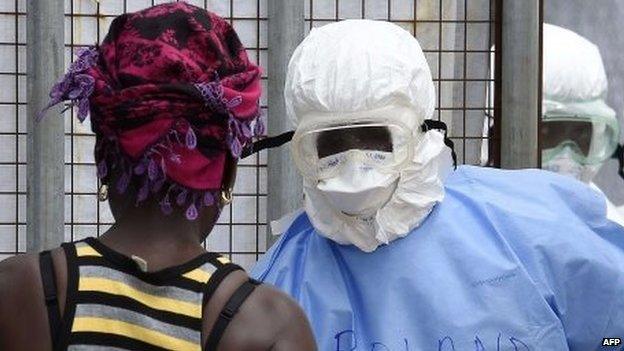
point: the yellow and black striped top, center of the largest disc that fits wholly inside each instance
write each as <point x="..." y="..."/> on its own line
<point x="113" y="305"/>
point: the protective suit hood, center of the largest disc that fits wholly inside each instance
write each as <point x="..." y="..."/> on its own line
<point x="573" y="68"/>
<point x="354" y="68"/>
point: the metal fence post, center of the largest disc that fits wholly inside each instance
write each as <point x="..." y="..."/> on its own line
<point x="521" y="82"/>
<point x="286" y="30"/>
<point x="45" y="64"/>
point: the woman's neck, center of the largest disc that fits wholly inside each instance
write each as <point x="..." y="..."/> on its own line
<point x="161" y="240"/>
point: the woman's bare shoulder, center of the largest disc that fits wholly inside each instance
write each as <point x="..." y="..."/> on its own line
<point x="18" y="274"/>
<point x="22" y="298"/>
<point x="19" y="288"/>
<point x="290" y="325"/>
<point x="267" y="320"/>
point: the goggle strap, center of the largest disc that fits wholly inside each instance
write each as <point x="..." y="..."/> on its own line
<point x="619" y="155"/>
<point x="267" y="143"/>
<point x="430" y="124"/>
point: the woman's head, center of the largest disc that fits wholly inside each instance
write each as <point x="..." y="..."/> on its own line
<point x="124" y="206"/>
<point x="173" y="100"/>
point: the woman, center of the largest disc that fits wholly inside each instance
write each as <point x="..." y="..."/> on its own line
<point x="173" y="101"/>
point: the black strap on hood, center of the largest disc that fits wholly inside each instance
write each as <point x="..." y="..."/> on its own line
<point x="430" y="124"/>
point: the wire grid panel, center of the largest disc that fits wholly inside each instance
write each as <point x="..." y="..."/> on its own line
<point x="12" y="127"/>
<point x="457" y="38"/>
<point x="240" y="231"/>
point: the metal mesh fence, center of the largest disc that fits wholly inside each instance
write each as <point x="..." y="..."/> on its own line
<point x="456" y="36"/>
<point x="12" y="127"/>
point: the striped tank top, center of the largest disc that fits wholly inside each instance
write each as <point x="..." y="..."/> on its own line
<point x="114" y="305"/>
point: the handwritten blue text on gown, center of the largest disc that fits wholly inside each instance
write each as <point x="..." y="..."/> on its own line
<point x="510" y="260"/>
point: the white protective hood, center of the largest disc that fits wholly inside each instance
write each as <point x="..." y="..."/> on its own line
<point x="573" y="69"/>
<point x="361" y="66"/>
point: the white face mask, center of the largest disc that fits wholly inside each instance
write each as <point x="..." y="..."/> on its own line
<point x="387" y="206"/>
<point x="359" y="189"/>
<point x="564" y="164"/>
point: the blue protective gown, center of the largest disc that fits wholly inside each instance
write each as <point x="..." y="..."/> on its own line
<point x="509" y="260"/>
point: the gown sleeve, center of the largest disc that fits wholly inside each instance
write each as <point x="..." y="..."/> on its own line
<point x="574" y="254"/>
<point x="586" y="277"/>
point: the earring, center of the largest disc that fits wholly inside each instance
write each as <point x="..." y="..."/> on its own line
<point x="103" y="193"/>
<point x="226" y="196"/>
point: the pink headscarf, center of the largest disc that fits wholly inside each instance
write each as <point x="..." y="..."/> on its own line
<point x="171" y="91"/>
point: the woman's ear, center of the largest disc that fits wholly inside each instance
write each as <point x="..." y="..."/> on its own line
<point x="119" y="203"/>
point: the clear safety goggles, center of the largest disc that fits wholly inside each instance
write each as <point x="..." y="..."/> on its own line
<point x="591" y="141"/>
<point x="320" y="152"/>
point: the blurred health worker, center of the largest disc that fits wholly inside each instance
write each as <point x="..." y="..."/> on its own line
<point x="579" y="131"/>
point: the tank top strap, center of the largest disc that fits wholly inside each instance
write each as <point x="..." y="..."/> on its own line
<point x="69" y="249"/>
<point x="223" y="267"/>
<point x="238" y="297"/>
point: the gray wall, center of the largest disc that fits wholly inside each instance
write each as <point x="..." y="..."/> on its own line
<point x="600" y="21"/>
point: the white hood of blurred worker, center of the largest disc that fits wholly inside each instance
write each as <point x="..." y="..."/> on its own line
<point x="354" y="68"/>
